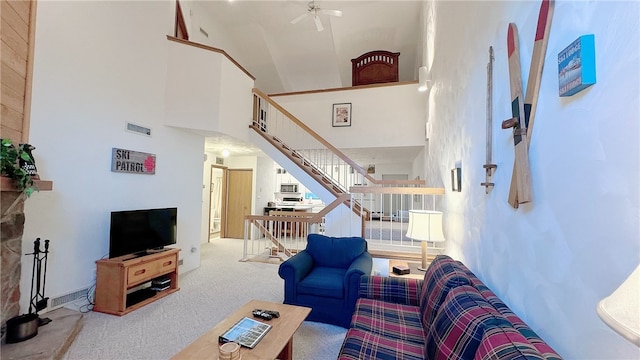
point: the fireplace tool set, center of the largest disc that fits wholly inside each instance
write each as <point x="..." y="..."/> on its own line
<point x="25" y="326"/>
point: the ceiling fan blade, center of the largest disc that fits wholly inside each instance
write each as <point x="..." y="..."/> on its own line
<point x="318" y="23"/>
<point x="330" y="12"/>
<point x="296" y="20"/>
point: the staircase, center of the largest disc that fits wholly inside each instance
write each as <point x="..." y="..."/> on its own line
<point x="317" y="157"/>
<point x="326" y="165"/>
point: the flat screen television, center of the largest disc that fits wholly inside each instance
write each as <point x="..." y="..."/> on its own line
<point x="139" y="231"/>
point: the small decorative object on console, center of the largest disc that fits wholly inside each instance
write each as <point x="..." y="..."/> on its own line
<point x="401" y="270"/>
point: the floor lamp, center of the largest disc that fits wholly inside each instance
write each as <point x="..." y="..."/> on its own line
<point x="621" y="309"/>
<point x="425" y="226"/>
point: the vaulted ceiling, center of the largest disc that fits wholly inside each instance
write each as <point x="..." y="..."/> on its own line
<point x="286" y="57"/>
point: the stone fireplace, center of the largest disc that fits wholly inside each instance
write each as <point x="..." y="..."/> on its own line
<point x="12" y="207"/>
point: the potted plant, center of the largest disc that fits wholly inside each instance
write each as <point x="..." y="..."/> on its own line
<point x="17" y="163"/>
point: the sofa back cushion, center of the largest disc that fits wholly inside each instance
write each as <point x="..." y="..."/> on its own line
<point x="545" y="349"/>
<point x="335" y="252"/>
<point x="460" y="324"/>
<point x="395" y="290"/>
<point x="442" y="275"/>
<point x="502" y="343"/>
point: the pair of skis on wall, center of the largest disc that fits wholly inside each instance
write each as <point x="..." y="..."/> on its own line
<point x="523" y="112"/>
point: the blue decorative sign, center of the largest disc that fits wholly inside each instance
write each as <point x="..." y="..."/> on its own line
<point x="577" y="66"/>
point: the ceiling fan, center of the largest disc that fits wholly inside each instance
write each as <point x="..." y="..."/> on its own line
<point x="313" y="10"/>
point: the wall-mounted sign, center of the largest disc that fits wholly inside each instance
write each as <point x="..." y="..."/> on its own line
<point x="577" y="66"/>
<point x="133" y="162"/>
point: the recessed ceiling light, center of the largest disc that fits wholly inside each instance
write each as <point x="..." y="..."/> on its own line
<point x="225" y="153"/>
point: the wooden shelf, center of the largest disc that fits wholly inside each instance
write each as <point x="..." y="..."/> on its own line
<point x="120" y="277"/>
<point x="7" y="184"/>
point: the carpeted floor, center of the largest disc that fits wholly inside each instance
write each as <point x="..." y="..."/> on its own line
<point x="220" y="286"/>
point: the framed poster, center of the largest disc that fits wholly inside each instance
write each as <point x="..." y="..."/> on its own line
<point x="577" y="66"/>
<point x="341" y="115"/>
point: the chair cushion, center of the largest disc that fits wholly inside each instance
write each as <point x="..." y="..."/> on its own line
<point x="360" y="345"/>
<point x="393" y="320"/>
<point x="336" y="252"/>
<point x="323" y="282"/>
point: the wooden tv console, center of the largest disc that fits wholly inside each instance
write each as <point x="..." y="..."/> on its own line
<point x="122" y="283"/>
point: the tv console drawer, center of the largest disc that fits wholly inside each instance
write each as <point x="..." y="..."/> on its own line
<point x="148" y="270"/>
<point x="142" y="272"/>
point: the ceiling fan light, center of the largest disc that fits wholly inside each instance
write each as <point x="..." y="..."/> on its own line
<point x="337" y="13"/>
<point x="318" y="23"/>
<point x="297" y="19"/>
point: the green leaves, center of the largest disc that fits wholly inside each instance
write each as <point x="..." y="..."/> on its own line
<point x="10" y="157"/>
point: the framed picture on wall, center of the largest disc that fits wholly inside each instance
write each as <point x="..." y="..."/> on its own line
<point x="341" y="115"/>
<point x="456" y="179"/>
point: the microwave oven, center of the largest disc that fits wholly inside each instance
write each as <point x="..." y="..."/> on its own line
<point x="288" y="188"/>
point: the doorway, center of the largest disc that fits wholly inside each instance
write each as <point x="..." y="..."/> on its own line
<point x="239" y="185"/>
<point x="217" y="193"/>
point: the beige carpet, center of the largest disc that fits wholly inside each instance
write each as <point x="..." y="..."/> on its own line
<point x="220" y="286"/>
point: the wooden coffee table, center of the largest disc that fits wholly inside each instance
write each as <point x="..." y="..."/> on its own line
<point x="276" y="344"/>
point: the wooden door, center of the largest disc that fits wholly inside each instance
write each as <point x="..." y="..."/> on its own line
<point x="238" y="201"/>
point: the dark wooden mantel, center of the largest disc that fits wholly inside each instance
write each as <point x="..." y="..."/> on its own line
<point x="7" y="184"/>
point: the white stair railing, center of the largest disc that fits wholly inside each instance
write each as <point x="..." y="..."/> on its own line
<point x="387" y="231"/>
<point x="303" y="143"/>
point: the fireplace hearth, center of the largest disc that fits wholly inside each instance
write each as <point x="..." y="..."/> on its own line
<point x="52" y="341"/>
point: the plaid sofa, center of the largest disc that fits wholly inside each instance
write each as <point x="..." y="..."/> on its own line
<point x="450" y="314"/>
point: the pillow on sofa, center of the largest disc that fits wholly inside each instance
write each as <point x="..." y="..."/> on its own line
<point x="343" y="250"/>
<point x="460" y="324"/>
<point x="441" y="276"/>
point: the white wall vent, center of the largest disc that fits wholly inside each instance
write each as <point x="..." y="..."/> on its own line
<point x="65" y="299"/>
<point x="138" y="129"/>
<point x="219" y="161"/>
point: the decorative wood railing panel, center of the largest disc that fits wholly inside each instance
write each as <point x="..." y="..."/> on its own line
<point x="374" y="67"/>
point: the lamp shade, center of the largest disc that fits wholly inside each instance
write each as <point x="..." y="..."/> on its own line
<point x="621" y="309"/>
<point x="425" y="225"/>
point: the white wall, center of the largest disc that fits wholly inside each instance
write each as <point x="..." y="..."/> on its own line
<point x="193" y="87"/>
<point x="207" y="92"/>
<point x="380" y="117"/>
<point x="103" y="64"/>
<point x="554" y="259"/>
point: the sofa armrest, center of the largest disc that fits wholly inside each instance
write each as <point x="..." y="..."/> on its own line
<point x="404" y="291"/>
<point x="292" y="271"/>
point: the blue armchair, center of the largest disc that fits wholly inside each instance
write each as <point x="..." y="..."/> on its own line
<point x="325" y="276"/>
